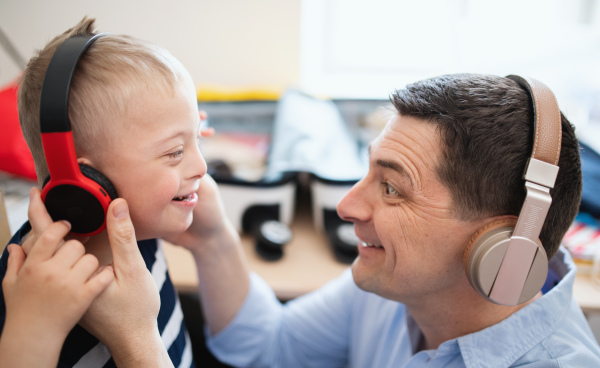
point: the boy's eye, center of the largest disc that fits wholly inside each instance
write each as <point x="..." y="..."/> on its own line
<point x="176" y="154"/>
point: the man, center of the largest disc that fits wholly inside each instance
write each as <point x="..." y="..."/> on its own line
<point x="450" y="162"/>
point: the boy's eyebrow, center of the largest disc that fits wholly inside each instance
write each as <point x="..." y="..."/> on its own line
<point x="172" y="136"/>
<point x="389" y="164"/>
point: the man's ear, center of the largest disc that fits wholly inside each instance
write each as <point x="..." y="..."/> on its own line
<point x="481" y="227"/>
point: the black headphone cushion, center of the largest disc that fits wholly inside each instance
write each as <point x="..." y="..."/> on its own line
<point x="96" y="176"/>
<point x="99" y="178"/>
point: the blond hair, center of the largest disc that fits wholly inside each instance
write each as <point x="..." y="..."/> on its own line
<point x="114" y="70"/>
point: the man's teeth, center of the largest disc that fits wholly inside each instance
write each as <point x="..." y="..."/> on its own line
<point x="365" y="244"/>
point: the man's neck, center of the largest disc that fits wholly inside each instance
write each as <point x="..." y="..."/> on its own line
<point x="454" y="314"/>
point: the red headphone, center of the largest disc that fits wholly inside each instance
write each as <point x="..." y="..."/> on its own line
<point x="73" y="192"/>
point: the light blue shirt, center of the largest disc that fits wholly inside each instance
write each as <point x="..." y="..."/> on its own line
<point x="340" y="325"/>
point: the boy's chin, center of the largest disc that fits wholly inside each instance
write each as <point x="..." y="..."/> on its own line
<point x="164" y="232"/>
<point x="174" y="231"/>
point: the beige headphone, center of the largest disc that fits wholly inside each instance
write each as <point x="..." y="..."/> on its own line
<point x="505" y="261"/>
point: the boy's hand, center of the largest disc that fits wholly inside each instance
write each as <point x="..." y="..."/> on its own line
<point x="124" y="316"/>
<point x="48" y="291"/>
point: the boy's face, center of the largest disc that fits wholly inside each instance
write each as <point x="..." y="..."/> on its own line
<point x="154" y="162"/>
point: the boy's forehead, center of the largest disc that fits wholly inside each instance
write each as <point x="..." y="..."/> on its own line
<point x="159" y="116"/>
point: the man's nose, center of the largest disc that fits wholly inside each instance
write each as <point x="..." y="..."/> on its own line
<point x="354" y="205"/>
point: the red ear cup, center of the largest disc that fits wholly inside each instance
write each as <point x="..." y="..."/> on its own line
<point x="83" y="202"/>
<point x="99" y="178"/>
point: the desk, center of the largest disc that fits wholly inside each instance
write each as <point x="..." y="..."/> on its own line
<point x="308" y="263"/>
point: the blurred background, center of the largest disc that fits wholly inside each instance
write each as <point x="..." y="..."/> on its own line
<point x="342" y="48"/>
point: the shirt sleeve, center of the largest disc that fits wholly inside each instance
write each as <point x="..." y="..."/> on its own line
<point x="311" y="331"/>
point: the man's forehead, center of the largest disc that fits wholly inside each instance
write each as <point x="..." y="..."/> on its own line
<point x="406" y="142"/>
<point x="411" y="132"/>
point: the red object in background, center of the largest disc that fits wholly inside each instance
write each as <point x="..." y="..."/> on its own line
<point x="15" y="157"/>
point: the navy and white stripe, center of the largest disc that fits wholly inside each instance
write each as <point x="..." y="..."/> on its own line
<point x="82" y="350"/>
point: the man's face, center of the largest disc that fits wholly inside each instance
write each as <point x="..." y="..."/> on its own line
<point x="154" y="161"/>
<point x="403" y="208"/>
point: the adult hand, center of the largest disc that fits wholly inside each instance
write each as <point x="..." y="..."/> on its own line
<point x="46" y="293"/>
<point x="124" y="316"/>
<point x="210" y="222"/>
<point x="223" y="273"/>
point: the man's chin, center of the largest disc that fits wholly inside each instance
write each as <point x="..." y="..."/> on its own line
<point x="363" y="278"/>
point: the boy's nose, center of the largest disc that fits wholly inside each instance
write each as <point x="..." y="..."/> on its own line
<point x="197" y="165"/>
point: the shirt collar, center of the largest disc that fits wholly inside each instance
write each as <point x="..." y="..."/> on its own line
<point x="502" y="344"/>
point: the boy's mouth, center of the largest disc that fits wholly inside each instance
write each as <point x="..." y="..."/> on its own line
<point x="186" y="198"/>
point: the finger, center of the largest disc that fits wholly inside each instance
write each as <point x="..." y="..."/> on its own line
<point x="69" y="253"/>
<point x="48" y="241"/>
<point x="85" y="267"/>
<point x="37" y="213"/>
<point x="208" y="132"/>
<point x="29" y="242"/>
<point x="16" y="258"/>
<point x="121" y="236"/>
<point x="99" y="282"/>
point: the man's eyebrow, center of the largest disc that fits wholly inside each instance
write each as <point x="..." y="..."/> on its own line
<point x="388" y="164"/>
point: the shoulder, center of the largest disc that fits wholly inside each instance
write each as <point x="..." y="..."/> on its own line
<point x="16" y="239"/>
<point x="561" y="351"/>
<point x="570" y="345"/>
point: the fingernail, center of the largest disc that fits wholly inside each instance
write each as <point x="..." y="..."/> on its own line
<point x="120" y="210"/>
<point x="67" y="223"/>
<point x="8" y="248"/>
<point x="31" y="194"/>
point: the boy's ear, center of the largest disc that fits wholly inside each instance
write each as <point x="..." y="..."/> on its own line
<point x="85" y="161"/>
<point x="87" y="168"/>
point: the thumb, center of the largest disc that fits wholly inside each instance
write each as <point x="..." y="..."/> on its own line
<point x="121" y="235"/>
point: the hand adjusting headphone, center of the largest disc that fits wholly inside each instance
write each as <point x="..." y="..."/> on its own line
<point x="73" y="192"/>
<point x="505" y="261"/>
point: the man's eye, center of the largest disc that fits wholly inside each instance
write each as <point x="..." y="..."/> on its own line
<point x="176" y="154"/>
<point x="389" y="190"/>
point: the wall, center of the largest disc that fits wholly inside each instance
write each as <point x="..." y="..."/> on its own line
<point x="234" y="43"/>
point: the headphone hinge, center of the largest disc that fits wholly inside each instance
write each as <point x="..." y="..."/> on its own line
<point x="534" y="211"/>
<point x="521" y="252"/>
<point x="540" y="172"/>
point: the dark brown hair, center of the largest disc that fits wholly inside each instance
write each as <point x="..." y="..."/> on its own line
<point x="486" y="126"/>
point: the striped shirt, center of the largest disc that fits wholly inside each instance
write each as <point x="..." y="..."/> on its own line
<point x="81" y="349"/>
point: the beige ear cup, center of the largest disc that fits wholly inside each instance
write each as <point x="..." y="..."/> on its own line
<point x="483" y="255"/>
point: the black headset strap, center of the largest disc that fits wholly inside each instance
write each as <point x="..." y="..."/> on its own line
<point x="54" y="100"/>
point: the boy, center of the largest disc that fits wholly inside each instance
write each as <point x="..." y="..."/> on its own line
<point x="134" y="118"/>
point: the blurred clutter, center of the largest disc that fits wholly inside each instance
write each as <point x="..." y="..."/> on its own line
<point x="263" y="150"/>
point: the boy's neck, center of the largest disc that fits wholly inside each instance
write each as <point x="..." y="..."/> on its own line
<point x="99" y="246"/>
